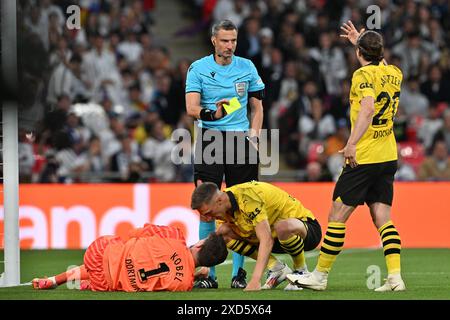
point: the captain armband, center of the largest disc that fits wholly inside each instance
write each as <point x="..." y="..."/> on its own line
<point x="260" y="95"/>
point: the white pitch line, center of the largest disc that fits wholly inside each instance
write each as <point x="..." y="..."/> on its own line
<point x="403" y="273"/>
<point x="19" y="285"/>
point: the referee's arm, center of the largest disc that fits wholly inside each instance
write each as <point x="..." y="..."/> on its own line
<point x="256" y="118"/>
<point x="193" y="107"/>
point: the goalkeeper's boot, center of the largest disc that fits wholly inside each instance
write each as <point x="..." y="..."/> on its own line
<point x="276" y="276"/>
<point x="44" y="283"/>
<point x="239" y="280"/>
<point x="315" y="280"/>
<point x="394" y="282"/>
<point x="293" y="287"/>
<point x="206" y="283"/>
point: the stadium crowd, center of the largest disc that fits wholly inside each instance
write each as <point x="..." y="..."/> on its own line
<point x="112" y="95"/>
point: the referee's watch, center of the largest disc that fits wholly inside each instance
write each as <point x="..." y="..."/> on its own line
<point x="253" y="139"/>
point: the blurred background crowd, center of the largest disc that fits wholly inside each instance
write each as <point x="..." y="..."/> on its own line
<point x="106" y="98"/>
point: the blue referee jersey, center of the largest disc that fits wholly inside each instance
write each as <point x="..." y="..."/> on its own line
<point x="215" y="82"/>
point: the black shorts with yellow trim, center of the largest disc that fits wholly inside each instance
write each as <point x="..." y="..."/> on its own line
<point x="367" y="183"/>
<point x="311" y="241"/>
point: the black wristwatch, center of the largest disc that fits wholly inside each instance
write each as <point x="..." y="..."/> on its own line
<point x="253" y="139"/>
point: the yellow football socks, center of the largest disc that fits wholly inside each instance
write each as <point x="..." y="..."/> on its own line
<point x="249" y="250"/>
<point x="391" y="247"/>
<point x="294" y="246"/>
<point x="331" y="246"/>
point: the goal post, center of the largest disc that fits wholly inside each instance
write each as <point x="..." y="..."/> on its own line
<point x="11" y="276"/>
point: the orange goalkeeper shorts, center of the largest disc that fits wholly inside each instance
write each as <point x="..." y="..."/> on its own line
<point x="93" y="261"/>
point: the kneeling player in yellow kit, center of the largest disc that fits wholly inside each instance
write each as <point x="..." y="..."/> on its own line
<point x="259" y="219"/>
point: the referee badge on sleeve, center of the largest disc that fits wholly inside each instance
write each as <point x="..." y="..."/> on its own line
<point x="241" y="88"/>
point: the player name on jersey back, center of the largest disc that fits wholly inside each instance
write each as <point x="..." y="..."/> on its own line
<point x="382" y="83"/>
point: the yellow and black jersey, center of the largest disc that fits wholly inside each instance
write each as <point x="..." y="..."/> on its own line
<point x="255" y="201"/>
<point x="382" y="82"/>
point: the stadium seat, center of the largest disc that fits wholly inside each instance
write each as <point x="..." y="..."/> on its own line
<point x="315" y="149"/>
<point x="413" y="153"/>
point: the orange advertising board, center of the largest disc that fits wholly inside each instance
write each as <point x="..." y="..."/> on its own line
<point x="72" y="216"/>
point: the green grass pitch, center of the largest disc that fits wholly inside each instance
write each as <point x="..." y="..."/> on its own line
<point x="426" y="273"/>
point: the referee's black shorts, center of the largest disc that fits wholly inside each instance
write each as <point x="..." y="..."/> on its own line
<point x="367" y="183"/>
<point x="243" y="166"/>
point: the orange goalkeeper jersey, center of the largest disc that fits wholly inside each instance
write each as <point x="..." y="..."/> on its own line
<point x="154" y="230"/>
<point x="155" y="258"/>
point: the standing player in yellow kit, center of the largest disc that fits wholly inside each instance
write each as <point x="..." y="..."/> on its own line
<point x="370" y="161"/>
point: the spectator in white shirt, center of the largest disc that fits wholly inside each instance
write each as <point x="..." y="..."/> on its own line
<point x="127" y="161"/>
<point x="48" y="8"/>
<point x="332" y="63"/>
<point x="411" y="51"/>
<point x="413" y="102"/>
<point x="234" y="10"/>
<point x="430" y="126"/>
<point x="157" y="150"/>
<point x="131" y="49"/>
<point x="37" y="23"/>
<point x="315" y="125"/>
<point x="100" y="67"/>
<point x="61" y="54"/>
<point x="26" y="157"/>
<point x="66" y="80"/>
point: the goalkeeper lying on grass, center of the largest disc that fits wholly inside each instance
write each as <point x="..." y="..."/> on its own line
<point x="154" y="258"/>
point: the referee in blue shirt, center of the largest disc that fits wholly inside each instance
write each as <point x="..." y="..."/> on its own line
<point x="213" y="82"/>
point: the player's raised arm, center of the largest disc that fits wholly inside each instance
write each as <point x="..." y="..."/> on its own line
<point x="353" y="35"/>
<point x="350" y="32"/>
